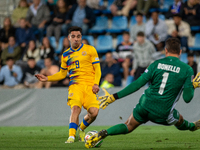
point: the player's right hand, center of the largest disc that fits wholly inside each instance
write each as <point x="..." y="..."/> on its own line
<point x="41" y="77"/>
<point x="105" y="100"/>
<point x="196" y="80"/>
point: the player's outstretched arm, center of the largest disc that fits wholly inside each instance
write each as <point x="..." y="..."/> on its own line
<point x="196" y="81"/>
<point x="41" y="77"/>
<point x="105" y="100"/>
<point x="56" y="77"/>
<point x="97" y="77"/>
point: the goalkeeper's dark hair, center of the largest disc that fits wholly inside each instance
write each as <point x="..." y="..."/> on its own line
<point x="74" y="28"/>
<point x="173" y="45"/>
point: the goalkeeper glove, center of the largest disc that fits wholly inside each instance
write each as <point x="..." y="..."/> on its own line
<point x="105" y="100"/>
<point x="196" y="80"/>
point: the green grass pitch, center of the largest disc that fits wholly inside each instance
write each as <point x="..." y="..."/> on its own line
<point x="143" y="138"/>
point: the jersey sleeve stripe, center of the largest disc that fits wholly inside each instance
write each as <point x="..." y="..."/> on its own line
<point x="96" y="62"/>
<point x="63" y="68"/>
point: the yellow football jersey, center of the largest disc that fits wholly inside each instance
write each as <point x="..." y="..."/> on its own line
<point x="79" y="64"/>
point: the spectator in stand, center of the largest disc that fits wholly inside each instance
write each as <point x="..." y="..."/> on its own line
<point x="124" y="53"/>
<point x="24" y="34"/>
<point x="198" y="10"/>
<point x="143" y="6"/>
<point x="179" y="29"/>
<point x="108" y="81"/>
<point x="30" y="80"/>
<point x="79" y="15"/>
<point x="49" y="69"/>
<point x="175" y="8"/>
<point x="143" y="55"/>
<point x="19" y="12"/>
<point x="156" y="31"/>
<point x="191" y="12"/>
<point x="191" y="62"/>
<point x="51" y="4"/>
<point x="140" y="26"/>
<point x="32" y="52"/>
<point x="46" y="51"/>
<point x="66" y="44"/>
<point x="13" y="50"/>
<point x="110" y="67"/>
<point x="58" y="19"/>
<point x="70" y="3"/>
<point x="11" y="74"/>
<point x="122" y="7"/>
<point x="85" y="41"/>
<point x="5" y="32"/>
<point x="37" y="16"/>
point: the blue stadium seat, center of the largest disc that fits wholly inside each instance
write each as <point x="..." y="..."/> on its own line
<point x="60" y="45"/>
<point x="90" y="39"/>
<point x="119" y="24"/>
<point x="161" y="16"/>
<point x="119" y="39"/>
<point x="196" y="46"/>
<point x="107" y="11"/>
<point x="195" y="28"/>
<point x="166" y="5"/>
<point x="183" y="57"/>
<point x="133" y="20"/>
<point x="100" y="26"/>
<point x="52" y="41"/>
<point x="104" y="43"/>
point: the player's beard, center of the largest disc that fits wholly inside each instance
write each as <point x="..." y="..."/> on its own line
<point x="76" y="45"/>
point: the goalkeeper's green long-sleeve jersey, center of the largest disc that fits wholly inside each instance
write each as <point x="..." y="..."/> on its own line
<point x="168" y="77"/>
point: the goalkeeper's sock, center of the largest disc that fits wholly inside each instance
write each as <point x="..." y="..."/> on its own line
<point x="72" y="129"/>
<point x="84" y="125"/>
<point x="118" y="129"/>
<point x="186" y="126"/>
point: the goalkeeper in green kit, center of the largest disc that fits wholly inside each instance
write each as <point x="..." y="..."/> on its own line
<point x="169" y="77"/>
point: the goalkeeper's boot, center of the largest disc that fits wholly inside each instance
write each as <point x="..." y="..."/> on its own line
<point x="81" y="135"/>
<point x="197" y="125"/>
<point x="70" y="140"/>
<point x="94" y="140"/>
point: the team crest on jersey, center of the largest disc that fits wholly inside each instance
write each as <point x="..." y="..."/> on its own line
<point x="84" y="53"/>
<point x="71" y="94"/>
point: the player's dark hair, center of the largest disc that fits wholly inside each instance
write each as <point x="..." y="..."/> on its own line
<point x="139" y="14"/>
<point x="126" y="32"/>
<point x="74" y="28"/>
<point x="140" y="34"/>
<point x="173" y="45"/>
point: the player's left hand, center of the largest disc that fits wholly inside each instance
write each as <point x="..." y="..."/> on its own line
<point x="95" y="88"/>
<point x="196" y="80"/>
<point x="105" y="100"/>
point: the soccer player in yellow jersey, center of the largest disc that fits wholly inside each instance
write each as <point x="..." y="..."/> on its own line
<point x="82" y="63"/>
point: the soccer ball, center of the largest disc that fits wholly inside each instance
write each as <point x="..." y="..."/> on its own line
<point x="89" y="134"/>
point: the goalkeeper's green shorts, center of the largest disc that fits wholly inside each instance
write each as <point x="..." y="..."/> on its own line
<point x="142" y="116"/>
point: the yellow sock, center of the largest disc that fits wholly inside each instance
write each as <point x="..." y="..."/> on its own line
<point x="72" y="129"/>
<point x="84" y="125"/>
